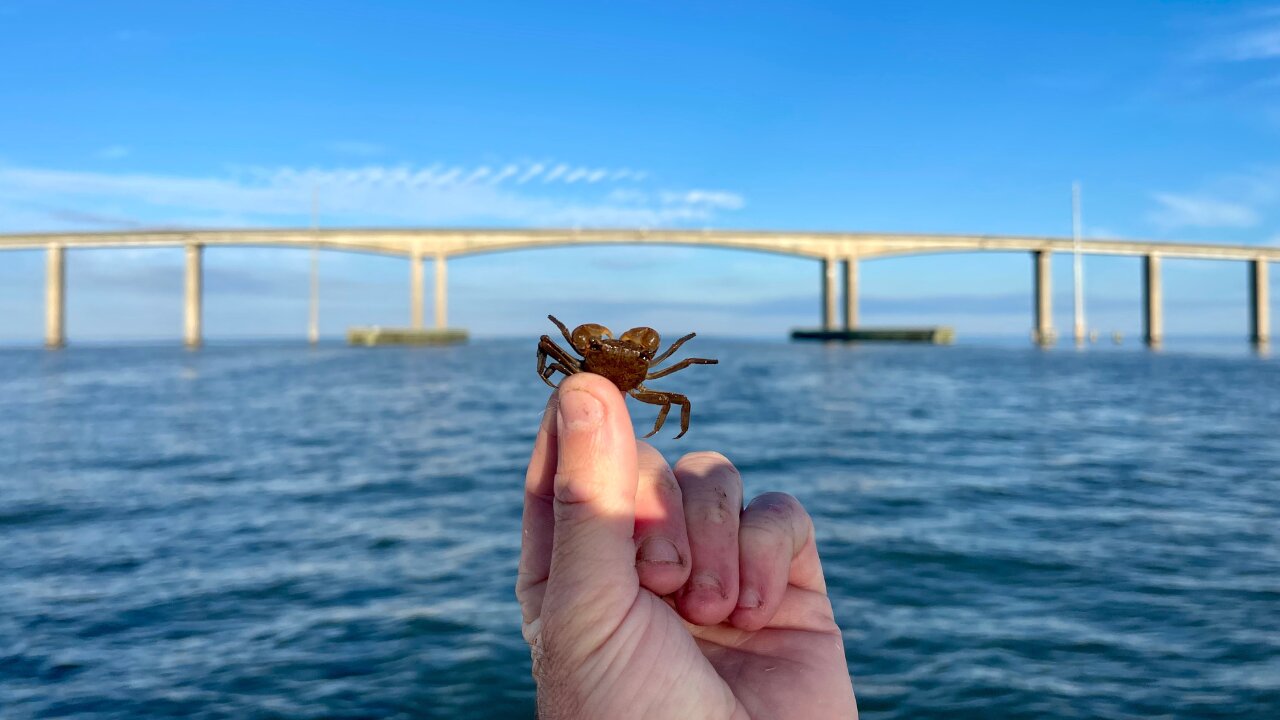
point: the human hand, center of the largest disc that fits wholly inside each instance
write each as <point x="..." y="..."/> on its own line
<point x="652" y="594"/>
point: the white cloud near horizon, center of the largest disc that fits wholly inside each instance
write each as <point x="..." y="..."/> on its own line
<point x="1200" y="211"/>
<point x="370" y="194"/>
<point x="1244" y="199"/>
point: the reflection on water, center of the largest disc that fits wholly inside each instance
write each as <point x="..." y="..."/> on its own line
<point x="265" y="531"/>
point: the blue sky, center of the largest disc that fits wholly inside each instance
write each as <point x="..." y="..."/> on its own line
<point x="924" y="116"/>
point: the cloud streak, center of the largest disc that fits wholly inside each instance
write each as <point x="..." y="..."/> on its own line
<point x="1199" y="211"/>
<point x="1247" y="37"/>
<point x="565" y="195"/>
<point x="1248" y="46"/>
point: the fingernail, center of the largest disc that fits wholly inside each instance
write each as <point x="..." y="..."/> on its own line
<point x="749" y="599"/>
<point x="579" y="410"/>
<point x="707" y="581"/>
<point x="659" y="550"/>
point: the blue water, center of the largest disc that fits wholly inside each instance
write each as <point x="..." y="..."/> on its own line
<point x="279" y="532"/>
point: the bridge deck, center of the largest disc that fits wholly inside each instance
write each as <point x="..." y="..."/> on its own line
<point x="456" y="242"/>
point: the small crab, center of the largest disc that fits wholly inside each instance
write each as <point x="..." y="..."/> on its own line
<point x="625" y="361"/>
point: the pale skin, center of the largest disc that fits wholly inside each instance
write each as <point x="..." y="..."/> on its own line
<point x="649" y="592"/>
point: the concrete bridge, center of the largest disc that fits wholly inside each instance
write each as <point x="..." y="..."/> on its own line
<point x="838" y="253"/>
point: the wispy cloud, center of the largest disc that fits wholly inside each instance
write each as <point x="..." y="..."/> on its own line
<point x="705" y="198"/>
<point x="1243" y="37"/>
<point x="1259" y="45"/>
<point x="567" y="195"/>
<point x="92" y="219"/>
<point x="1237" y="60"/>
<point x="1248" y="37"/>
<point x="1199" y="211"/>
<point x="1095" y="232"/>
<point x="113" y="152"/>
<point x="1244" y="199"/>
<point x="530" y="173"/>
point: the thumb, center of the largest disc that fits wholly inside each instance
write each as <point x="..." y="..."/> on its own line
<point x="593" y="579"/>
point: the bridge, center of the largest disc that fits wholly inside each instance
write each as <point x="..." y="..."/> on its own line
<point x="838" y="254"/>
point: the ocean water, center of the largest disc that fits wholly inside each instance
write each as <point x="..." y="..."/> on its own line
<point x="266" y="531"/>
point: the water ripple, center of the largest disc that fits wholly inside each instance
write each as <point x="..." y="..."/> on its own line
<point x="281" y="532"/>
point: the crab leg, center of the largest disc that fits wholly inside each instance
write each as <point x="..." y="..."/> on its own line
<point x="674" y="346"/>
<point x="551" y="370"/>
<point x="679" y="366"/>
<point x="562" y="360"/>
<point x="564" y="330"/>
<point x="665" y="399"/>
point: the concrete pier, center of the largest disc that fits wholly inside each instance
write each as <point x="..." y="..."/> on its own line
<point x="415" y="291"/>
<point x="442" y="293"/>
<point x="828" y="293"/>
<point x="850" y="293"/>
<point x="938" y="335"/>
<point x="1259" y="303"/>
<point x="376" y="336"/>
<point x="1043" y="280"/>
<point x="55" y="309"/>
<point x="1153" y="302"/>
<point x="193" y="307"/>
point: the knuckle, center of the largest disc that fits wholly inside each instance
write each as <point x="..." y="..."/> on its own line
<point x="655" y="473"/>
<point x="715" y="513"/>
<point x="709" y="468"/>
<point x="712" y="504"/>
<point x="779" y="513"/>
<point x="765" y="540"/>
<point x="777" y="504"/>
<point x="665" y="483"/>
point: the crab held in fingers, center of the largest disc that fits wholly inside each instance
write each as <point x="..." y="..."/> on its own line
<point x="626" y="361"/>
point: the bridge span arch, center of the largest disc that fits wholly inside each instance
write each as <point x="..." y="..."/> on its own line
<point x="838" y="254"/>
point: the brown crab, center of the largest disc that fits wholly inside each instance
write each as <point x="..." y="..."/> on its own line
<point x="625" y="361"/>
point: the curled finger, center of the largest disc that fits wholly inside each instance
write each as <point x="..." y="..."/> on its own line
<point x="775" y="542"/>
<point x="712" y="490"/>
<point x="662" y="544"/>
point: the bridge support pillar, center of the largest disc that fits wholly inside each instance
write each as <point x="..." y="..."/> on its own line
<point x="313" y="310"/>
<point x="1259" y="303"/>
<point x="1153" y="302"/>
<point x="850" y="292"/>
<point x="828" y="294"/>
<point x="55" y="311"/>
<point x="1043" y="333"/>
<point x="442" y="292"/>
<point x="415" y="290"/>
<point x="192" y="308"/>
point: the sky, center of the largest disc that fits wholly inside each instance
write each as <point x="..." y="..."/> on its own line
<point x="838" y="116"/>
